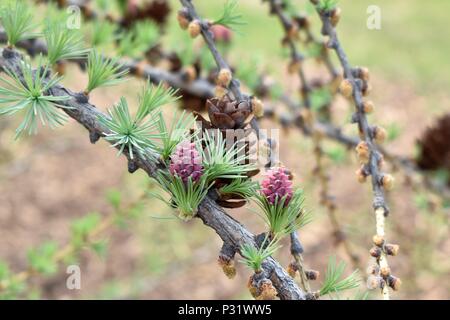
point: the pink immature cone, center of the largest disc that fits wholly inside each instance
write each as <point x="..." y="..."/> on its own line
<point x="186" y="162"/>
<point x="277" y="185"/>
<point x="221" y="33"/>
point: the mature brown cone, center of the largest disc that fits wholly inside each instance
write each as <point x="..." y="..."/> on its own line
<point x="435" y="147"/>
<point x="226" y="114"/>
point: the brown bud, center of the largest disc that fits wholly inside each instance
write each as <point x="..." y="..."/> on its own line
<point x="61" y="67"/>
<point x="292" y="269"/>
<point x="194" y="28"/>
<point x="368" y="106"/>
<point x="346" y="88"/>
<point x="292" y="32"/>
<point x="312" y="274"/>
<point x="380" y="134"/>
<point x="267" y="291"/>
<point x="387" y="181"/>
<point x="189" y="73"/>
<point x="257" y="107"/>
<point x="361" y="175"/>
<point x="227" y="266"/>
<point x="363" y="152"/>
<point x="335" y="16"/>
<point x="306" y="115"/>
<point x="335" y="83"/>
<point x="364" y="73"/>
<point x="220" y="91"/>
<point x="378" y="240"/>
<point x="373" y="269"/>
<point x="367" y="89"/>
<point x="224" y="77"/>
<point x="394" y="282"/>
<point x="375" y="252"/>
<point x="294" y="66"/>
<point x="251" y="287"/>
<point x="183" y="21"/>
<point x="302" y="21"/>
<point x="374" y="282"/>
<point x="385" y="272"/>
<point x="391" y="249"/>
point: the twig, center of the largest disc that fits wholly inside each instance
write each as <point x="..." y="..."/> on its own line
<point x="311" y="128"/>
<point x="379" y="203"/>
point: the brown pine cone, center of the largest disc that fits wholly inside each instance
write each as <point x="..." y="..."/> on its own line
<point x="434" y="147"/>
<point x="227" y="114"/>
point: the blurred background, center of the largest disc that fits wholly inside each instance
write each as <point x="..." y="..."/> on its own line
<point x="49" y="180"/>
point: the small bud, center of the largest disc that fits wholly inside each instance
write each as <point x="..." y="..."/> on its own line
<point x="378" y="240"/>
<point x="374" y="282"/>
<point x="194" y="28"/>
<point x="368" y="106"/>
<point x="268" y="292"/>
<point x="335" y="83"/>
<point x="189" y="73"/>
<point x="385" y="272"/>
<point x="375" y="252"/>
<point x="363" y="152"/>
<point x="257" y="107"/>
<point x="306" y="115"/>
<point x="302" y="21"/>
<point x="391" y="249"/>
<point x="380" y="134"/>
<point x="394" y="282"/>
<point x="251" y="287"/>
<point x="346" y="88"/>
<point x="366" y="89"/>
<point x="224" y="77"/>
<point x="335" y="16"/>
<point x="373" y="269"/>
<point x="292" y="269"/>
<point x="292" y="32"/>
<point x="294" y="66"/>
<point x="183" y="21"/>
<point x="312" y="274"/>
<point x="364" y="73"/>
<point x="360" y="173"/>
<point x="227" y="266"/>
<point x="387" y="181"/>
<point x="220" y="91"/>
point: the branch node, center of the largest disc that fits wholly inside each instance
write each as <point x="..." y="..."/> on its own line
<point x="80" y="97"/>
<point x="9" y="53"/>
<point x="296" y="246"/>
<point x="132" y="166"/>
<point x="94" y="136"/>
